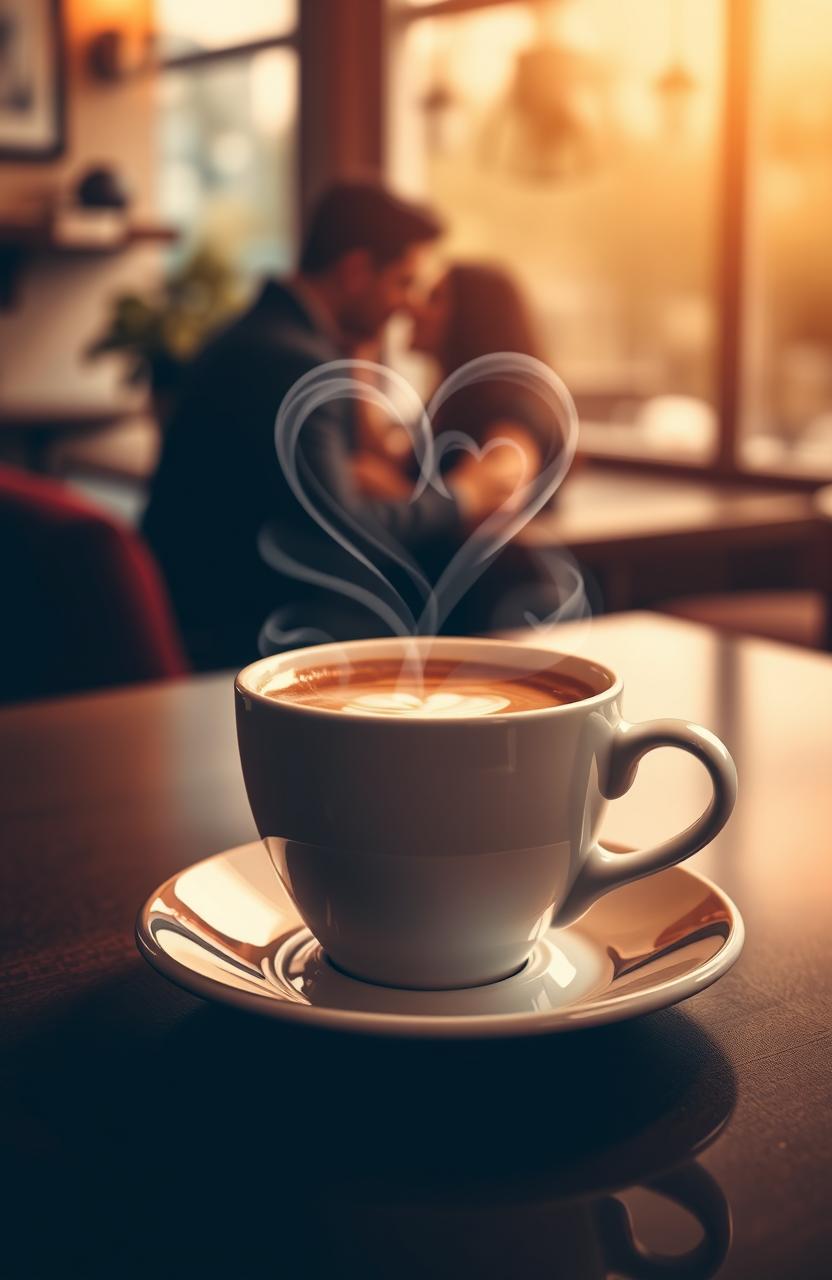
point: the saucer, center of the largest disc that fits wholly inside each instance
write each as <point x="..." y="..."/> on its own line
<point x="226" y="930"/>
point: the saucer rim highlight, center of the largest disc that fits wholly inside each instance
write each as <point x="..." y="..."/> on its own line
<point x="593" y="1011"/>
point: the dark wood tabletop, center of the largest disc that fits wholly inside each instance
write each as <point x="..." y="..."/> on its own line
<point x="601" y="507"/>
<point x="645" y="538"/>
<point x="149" y="1133"/>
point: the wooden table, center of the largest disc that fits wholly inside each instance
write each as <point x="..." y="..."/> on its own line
<point x="648" y="537"/>
<point x="152" y="1134"/>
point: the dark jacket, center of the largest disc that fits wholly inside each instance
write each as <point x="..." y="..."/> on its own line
<point x="219" y="486"/>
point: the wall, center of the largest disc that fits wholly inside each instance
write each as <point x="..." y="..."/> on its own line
<point x="61" y="303"/>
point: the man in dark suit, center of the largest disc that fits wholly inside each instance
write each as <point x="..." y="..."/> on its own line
<point x="219" y="485"/>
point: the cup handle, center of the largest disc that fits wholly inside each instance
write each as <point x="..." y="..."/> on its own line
<point x="696" y="1191"/>
<point x="604" y="869"/>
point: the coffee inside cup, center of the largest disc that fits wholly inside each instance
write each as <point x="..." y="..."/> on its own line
<point x="439" y="689"/>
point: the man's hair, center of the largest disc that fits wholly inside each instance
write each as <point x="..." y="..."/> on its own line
<point x="363" y="215"/>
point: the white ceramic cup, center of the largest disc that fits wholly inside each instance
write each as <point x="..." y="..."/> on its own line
<point x="432" y="853"/>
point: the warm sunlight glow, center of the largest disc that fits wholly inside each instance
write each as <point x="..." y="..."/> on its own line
<point x="580" y="141"/>
<point x="274" y="90"/>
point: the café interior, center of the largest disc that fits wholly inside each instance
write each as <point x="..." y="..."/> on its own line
<point x="654" y="174"/>
<point x="655" y="177"/>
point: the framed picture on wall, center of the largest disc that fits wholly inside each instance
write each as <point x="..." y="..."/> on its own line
<point x="31" y="80"/>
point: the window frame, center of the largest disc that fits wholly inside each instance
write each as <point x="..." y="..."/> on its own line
<point x="245" y="48"/>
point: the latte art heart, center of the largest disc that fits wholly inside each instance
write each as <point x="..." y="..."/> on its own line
<point x="433" y="706"/>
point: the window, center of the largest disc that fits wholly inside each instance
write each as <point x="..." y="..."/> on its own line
<point x="586" y="144"/>
<point x="228" y="108"/>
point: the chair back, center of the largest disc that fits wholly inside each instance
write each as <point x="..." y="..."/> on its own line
<point x="83" y="604"/>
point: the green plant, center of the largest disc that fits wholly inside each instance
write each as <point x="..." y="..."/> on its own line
<point x="161" y="331"/>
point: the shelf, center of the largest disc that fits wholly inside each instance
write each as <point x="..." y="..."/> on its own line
<point x="59" y="415"/>
<point x="39" y="237"/>
<point x="33" y="431"/>
<point x="19" y="240"/>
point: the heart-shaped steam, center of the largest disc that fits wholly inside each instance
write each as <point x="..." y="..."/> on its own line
<point x="400" y="402"/>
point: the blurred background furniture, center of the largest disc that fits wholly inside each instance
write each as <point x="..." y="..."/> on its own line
<point x="790" y="616"/>
<point x="89" y="607"/>
<point x="125" y="450"/>
<point x="32" y="432"/>
<point x="644" y="539"/>
<point x="23" y="240"/>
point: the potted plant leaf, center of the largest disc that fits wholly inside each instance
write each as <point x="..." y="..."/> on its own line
<point x="160" y="332"/>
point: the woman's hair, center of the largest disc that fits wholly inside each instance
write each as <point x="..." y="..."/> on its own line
<point x="486" y="313"/>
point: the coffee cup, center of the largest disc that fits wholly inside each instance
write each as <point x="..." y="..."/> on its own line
<point x="430" y="844"/>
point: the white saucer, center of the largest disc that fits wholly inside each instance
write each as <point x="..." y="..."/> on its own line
<point x="226" y="930"/>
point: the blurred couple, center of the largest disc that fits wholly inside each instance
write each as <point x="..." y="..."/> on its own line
<point x="219" y="490"/>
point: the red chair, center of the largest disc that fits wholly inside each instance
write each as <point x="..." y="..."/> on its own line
<point x="83" y="605"/>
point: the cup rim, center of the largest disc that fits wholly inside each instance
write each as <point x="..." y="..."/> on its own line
<point x="243" y="682"/>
